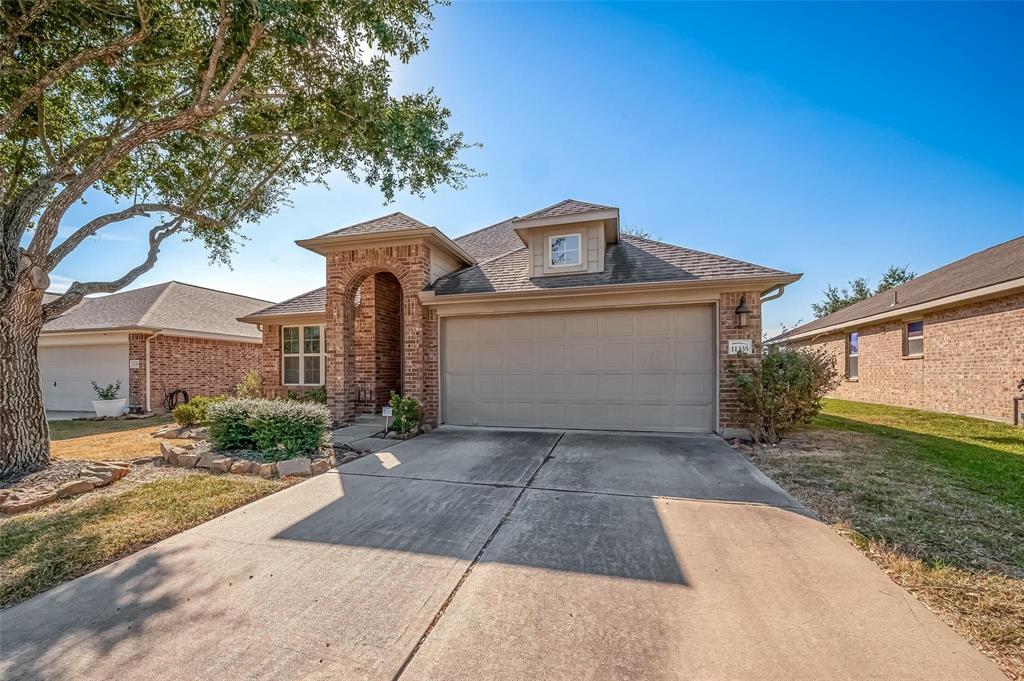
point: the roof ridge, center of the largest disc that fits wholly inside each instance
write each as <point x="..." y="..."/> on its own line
<point x="156" y="301"/>
<point x="215" y="290"/>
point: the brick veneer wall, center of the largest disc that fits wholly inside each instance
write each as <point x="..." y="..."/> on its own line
<point x="387" y="339"/>
<point x="729" y="366"/>
<point x="346" y="272"/>
<point x="378" y="342"/>
<point x="973" y="358"/>
<point x="200" y="366"/>
<point x="365" y="334"/>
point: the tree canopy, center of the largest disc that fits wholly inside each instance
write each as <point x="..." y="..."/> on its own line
<point x="836" y="298"/>
<point x="205" y="112"/>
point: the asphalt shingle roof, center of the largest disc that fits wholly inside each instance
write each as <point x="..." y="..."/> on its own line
<point x="630" y="261"/>
<point x="566" y="207"/>
<point x="994" y="265"/>
<point x="395" y="222"/>
<point x="490" y="242"/>
<point x="171" y="305"/>
<point x="311" y="301"/>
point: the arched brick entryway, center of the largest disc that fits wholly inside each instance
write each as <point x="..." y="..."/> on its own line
<point x="347" y="270"/>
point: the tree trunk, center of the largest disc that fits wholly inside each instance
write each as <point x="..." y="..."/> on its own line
<point x="24" y="435"/>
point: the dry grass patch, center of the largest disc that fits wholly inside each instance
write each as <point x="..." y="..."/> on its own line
<point x="40" y="550"/>
<point x="936" y="504"/>
<point x="106" y="440"/>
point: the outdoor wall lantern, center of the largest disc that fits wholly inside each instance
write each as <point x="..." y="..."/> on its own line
<point x="742" y="312"/>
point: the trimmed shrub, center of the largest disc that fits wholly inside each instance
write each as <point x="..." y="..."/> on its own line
<point x="319" y="395"/>
<point x="195" y="411"/>
<point x="785" y="388"/>
<point x="405" y="414"/>
<point x="279" y="429"/>
<point x="251" y="386"/>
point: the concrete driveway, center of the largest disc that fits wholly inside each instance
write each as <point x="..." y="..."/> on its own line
<point x="469" y="554"/>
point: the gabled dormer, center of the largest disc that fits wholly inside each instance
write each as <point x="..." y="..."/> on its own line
<point x="569" y="237"/>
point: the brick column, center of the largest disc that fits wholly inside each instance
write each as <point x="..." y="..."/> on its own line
<point x="729" y="366"/>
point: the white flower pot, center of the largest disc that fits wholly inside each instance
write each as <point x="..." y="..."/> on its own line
<point x="109" y="407"/>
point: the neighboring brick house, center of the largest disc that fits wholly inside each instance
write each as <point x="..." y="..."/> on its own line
<point x="951" y="340"/>
<point x="552" y="319"/>
<point x="170" y="336"/>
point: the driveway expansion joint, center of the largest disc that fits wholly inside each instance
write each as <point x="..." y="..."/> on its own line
<point x="476" y="559"/>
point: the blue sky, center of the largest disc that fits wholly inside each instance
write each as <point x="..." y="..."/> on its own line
<point x="828" y="139"/>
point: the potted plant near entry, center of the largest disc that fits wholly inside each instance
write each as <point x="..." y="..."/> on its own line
<point x="109" y="403"/>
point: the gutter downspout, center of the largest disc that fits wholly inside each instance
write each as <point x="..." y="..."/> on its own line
<point x="778" y="291"/>
<point x="148" y="338"/>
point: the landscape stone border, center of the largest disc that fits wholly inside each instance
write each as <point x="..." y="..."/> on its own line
<point x="200" y="455"/>
<point x="93" y="476"/>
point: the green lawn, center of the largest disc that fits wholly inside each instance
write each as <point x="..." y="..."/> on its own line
<point x="68" y="429"/>
<point x="40" y="550"/>
<point x="985" y="456"/>
<point x="936" y="500"/>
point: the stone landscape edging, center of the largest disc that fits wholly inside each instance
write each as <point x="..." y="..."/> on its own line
<point x="93" y="476"/>
<point x="199" y="455"/>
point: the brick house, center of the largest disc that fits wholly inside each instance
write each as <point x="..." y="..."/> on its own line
<point x="166" y="337"/>
<point x="951" y="340"/>
<point x="551" y="319"/>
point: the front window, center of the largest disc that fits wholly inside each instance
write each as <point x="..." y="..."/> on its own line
<point x="302" y="351"/>
<point x="915" y="339"/>
<point x="852" y="343"/>
<point x="565" y="250"/>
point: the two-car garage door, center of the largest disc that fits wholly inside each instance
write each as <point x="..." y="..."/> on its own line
<point x="628" y="369"/>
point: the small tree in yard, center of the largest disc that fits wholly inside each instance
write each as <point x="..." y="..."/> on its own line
<point x="199" y="113"/>
<point x="784" y="388"/>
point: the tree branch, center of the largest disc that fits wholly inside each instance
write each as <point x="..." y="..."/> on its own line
<point x="94" y="225"/>
<point x="17" y="28"/>
<point x="236" y="73"/>
<point x="74" y="63"/>
<point x="78" y="290"/>
<point x="215" y="53"/>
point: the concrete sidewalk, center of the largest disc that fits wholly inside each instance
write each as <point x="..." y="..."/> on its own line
<point x="472" y="554"/>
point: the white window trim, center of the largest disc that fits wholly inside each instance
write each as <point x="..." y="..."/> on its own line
<point x="579" y="250"/>
<point x="302" y="354"/>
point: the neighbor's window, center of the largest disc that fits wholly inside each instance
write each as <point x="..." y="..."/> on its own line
<point x="565" y="250"/>
<point x="302" y="351"/>
<point x="915" y="339"/>
<point x="852" y="341"/>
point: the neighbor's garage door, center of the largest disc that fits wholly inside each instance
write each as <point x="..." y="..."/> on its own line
<point x="67" y="372"/>
<point x="648" y="369"/>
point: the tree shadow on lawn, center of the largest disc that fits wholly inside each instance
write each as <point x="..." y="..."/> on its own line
<point x="981" y="469"/>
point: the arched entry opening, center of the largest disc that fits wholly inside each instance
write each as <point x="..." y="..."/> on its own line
<point x="377" y="341"/>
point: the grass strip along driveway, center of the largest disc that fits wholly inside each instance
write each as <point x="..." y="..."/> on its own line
<point x="69" y="538"/>
<point x="936" y="500"/>
<point x="39" y="550"/>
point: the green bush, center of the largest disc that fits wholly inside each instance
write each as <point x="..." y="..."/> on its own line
<point x="251" y="386"/>
<point x="318" y="395"/>
<point x="405" y="413"/>
<point x="783" y="389"/>
<point x="279" y="429"/>
<point x="108" y="392"/>
<point x="195" y="411"/>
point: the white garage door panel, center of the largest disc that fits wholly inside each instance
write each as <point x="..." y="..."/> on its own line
<point x="67" y="372"/>
<point x="649" y="369"/>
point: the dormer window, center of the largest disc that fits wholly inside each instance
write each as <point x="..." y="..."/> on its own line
<point x="564" y="250"/>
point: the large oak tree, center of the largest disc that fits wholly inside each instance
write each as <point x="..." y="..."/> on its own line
<point x="198" y="113"/>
